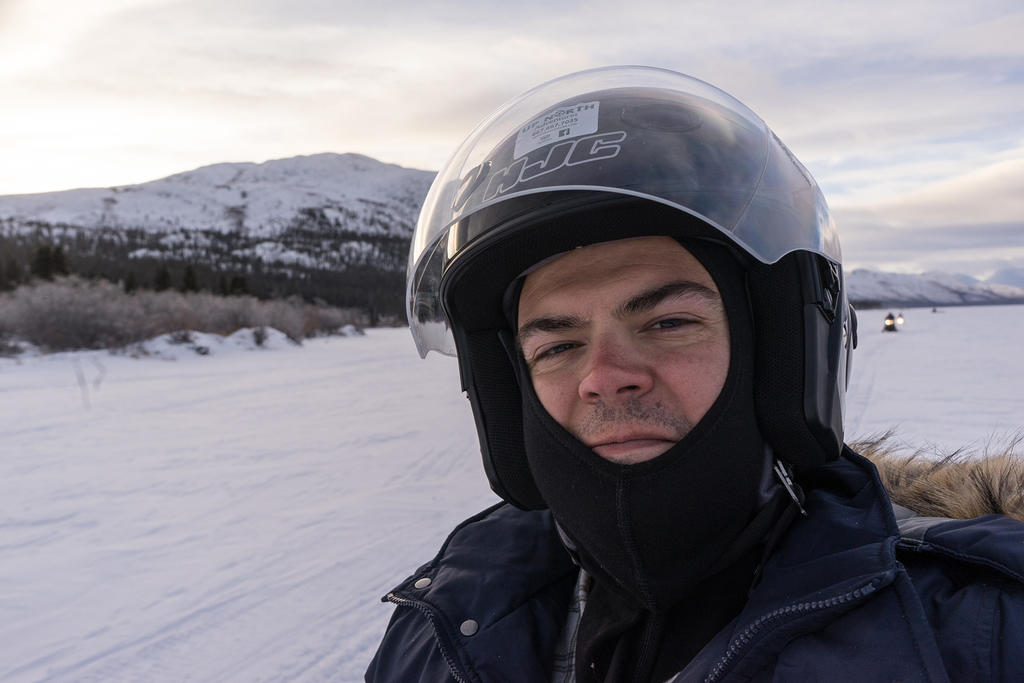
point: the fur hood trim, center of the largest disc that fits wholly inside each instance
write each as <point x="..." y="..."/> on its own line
<point x="959" y="485"/>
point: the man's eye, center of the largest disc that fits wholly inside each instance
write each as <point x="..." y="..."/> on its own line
<point x="670" y="323"/>
<point x="554" y="350"/>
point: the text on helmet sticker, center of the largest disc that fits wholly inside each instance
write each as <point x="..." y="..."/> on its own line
<point x="560" y="124"/>
<point x="582" y="150"/>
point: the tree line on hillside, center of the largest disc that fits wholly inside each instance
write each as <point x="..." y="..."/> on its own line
<point x="199" y="261"/>
<point x="49" y="261"/>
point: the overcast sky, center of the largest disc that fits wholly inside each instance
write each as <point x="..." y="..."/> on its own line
<point x="910" y="113"/>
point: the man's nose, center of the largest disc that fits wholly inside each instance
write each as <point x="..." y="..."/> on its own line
<point x="614" y="371"/>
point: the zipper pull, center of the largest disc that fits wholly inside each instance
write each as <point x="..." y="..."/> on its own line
<point x="787" y="482"/>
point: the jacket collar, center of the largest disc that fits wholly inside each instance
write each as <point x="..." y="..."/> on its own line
<point x="827" y="563"/>
<point x="849" y="533"/>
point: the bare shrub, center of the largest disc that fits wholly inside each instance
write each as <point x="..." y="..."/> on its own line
<point x="71" y="313"/>
<point x="259" y="336"/>
<point x="67" y="314"/>
<point x="8" y="348"/>
<point x="182" y="337"/>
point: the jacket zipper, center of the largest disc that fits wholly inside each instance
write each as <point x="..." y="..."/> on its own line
<point x="744" y="639"/>
<point x="442" y="639"/>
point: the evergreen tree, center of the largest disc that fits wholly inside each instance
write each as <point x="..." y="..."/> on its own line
<point x="223" y="285"/>
<point x="58" y="261"/>
<point x="189" y="282"/>
<point x="239" y="285"/>
<point x="15" y="274"/>
<point x="371" y="307"/>
<point x="162" y="280"/>
<point x="130" y="284"/>
<point x="42" y="262"/>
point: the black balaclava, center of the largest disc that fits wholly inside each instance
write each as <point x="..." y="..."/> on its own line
<point x="650" y="533"/>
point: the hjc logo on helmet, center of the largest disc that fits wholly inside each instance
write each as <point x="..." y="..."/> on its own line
<point x="574" y="152"/>
<point x="582" y="150"/>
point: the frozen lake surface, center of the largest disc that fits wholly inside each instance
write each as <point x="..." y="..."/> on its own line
<point x="950" y="378"/>
<point x="237" y="516"/>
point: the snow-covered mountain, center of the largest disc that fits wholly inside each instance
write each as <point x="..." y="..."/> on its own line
<point x="334" y="227"/>
<point x="360" y="193"/>
<point x="873" y="287"/>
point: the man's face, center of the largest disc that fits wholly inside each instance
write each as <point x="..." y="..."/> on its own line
<point x="627" y="344"/>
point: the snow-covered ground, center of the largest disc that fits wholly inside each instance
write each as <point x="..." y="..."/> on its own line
<point x="951" y="378"/>
<point x="236" y="516"/>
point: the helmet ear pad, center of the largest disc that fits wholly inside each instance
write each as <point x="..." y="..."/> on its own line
<point x="493" y="391"/>
<point x="801" y="353"/>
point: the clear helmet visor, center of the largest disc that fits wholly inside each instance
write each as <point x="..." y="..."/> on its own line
<point x="637" y="131"/>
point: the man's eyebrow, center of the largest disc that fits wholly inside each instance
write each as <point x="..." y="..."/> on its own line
<point x="645" y="301"/>
<point x="555" y="323"/>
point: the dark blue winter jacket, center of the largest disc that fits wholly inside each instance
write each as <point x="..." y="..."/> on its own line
<point x="845" y="597"/>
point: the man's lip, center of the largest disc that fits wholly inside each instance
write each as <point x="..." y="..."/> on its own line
<point x="618" y="447"/>
<point x="629" y="438"/>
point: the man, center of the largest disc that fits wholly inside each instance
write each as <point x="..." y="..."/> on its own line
<point x="644" y="292"/>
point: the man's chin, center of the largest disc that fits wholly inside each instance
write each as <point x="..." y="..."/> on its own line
<point x="633" y="451"/>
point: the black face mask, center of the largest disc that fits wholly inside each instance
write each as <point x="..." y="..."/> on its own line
<point x="651" y="531"/>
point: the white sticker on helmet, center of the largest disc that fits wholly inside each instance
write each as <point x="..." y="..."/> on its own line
<point x="561" y="124"/>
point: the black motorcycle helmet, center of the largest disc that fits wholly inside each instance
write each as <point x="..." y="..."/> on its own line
<point x="624" y="152"/>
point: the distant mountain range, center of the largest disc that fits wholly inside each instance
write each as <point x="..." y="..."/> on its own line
<point x="872" y="288"/>
<point x="334" y="227"/>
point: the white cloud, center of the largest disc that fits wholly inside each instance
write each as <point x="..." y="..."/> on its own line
<point x="992" y="194"/>
<point x="37" y="34"/>
<point x="989" y="194"/>
<point x="995" y="37"/>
